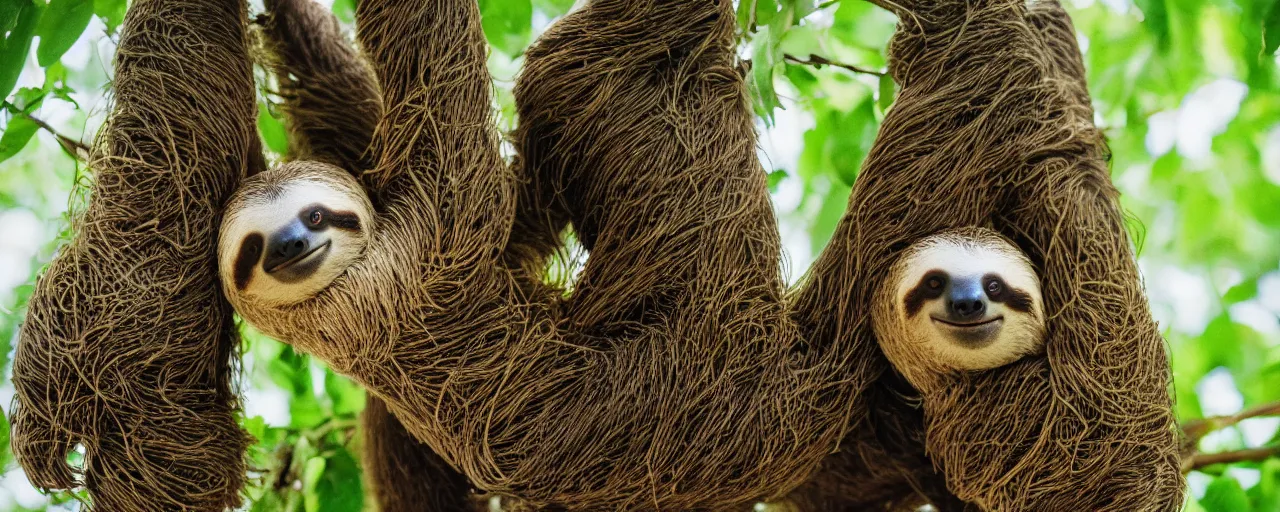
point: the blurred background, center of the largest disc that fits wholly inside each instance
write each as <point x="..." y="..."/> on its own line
<point x="1187" y="91"/>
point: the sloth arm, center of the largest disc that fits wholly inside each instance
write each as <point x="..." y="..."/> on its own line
<point x="127" y="345"/>
<point x="329" y="95"/>
<point x="331" y="104"/>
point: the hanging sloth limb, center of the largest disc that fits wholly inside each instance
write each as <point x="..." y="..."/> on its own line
<point x="329" y="96"/>
<point x="993" y="128"/>
<point x="128" y="344"/>
<point x="330" y="102"/>
<point x="671" y="378"/>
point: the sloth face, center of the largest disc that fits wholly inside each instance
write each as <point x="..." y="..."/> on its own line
<point x="960" y="300"/>
<point x="289" y="232"/>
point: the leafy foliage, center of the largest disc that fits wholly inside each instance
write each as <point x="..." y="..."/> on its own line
<point x="1187" y="91"/>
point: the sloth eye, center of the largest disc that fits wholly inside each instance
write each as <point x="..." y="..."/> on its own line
<point x="934" y="283"/>
<point x="994" y="287"/>
<point x="316" y="217"/>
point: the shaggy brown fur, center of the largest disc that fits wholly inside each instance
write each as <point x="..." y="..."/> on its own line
<point x="329" y="95"/>
<point x="128" y="345"/>
<point x="404" y="474"/>
<point x="993" y="128"/>
<point x="331" y="105"/>
<point x="672" y="378"/>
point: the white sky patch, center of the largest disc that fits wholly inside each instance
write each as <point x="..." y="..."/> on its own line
<point x="1203" y="115"/>
<point x="20" y="238"/>
<point x="1162" y="132"/>
<point x="1258" y="431"/>
<point x="1182" y="298"/>
<point x="1248" y="477"/>
<point x="1218" y="393"/>
<point x="1269" y="291"/>
<point x="781" y="145"/>
<point x="77" y="57"/>
<point x="1253" y="314"/>
<point x="1119" y="6"/>
<point x="272" y="403"/>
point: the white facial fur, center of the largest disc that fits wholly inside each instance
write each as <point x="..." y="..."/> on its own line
<point x="281" y="210"/>
<point x="935" y="339"/>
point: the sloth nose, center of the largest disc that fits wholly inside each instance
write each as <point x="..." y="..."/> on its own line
<point x="292" y="247"/>
<point x="966" y="303"/>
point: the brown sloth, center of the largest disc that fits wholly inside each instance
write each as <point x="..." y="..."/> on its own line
<point x="993" y="129"/>
<point x="331" y="104"/>
<point x="671" y="377"/>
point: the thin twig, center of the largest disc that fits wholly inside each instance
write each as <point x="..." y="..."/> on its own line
<point x="818" y="61"/>
<point x="1201" y="460"/>
<point x="1197" y="429"/>
<point x="74" y="147"/>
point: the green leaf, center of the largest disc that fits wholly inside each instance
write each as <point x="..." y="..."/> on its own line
<point x="1271" y="29"/>
<point x="1241" y="292"/>
<point x="888" y="89"/>
<point x="345" y="10"/>
<point x="1266" y="495"/>
<point x="273" y="131"/>
<point x="1224" y="494"/>
<point x="61" y="27"/>
<point x="4" y="437"/>
<point x="776" y="177"/>
<point x="764" y="63"/>
<point x="9" y="10"/>
<point x="857" y="130"/>
<point x="17" y="44"/>
<point x="1156" y="20"/>
<point x="347" y="397"/>
<point x="507" y="24"/>
<point x="834" y="205"/>
<point x="112" y="12"/>
<point x="334" y="484"/>
<point x="16" y="136"/>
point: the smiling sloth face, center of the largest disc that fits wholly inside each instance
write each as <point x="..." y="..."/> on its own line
<point x="289" y="232"/>
<point x="959" y="300"/>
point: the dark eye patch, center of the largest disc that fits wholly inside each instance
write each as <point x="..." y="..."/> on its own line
<point x="348" y="221"/>
<point x="248" y="257"/>
<point x="923" y="292"/>
<point x="1016" y="299"/>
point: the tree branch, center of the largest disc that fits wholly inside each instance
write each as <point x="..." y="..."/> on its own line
<point x="817" y="61"/>
<point x="1197" y="429"/>
<point x="77" y="149"/>
<point x="1201" y="460"/>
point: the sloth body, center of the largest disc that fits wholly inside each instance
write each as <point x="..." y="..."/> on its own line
<point x="960" y="300"/>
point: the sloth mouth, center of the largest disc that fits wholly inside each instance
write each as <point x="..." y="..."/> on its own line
<point x="971" y="325"/>
<point x="297" y="259"/>
<point x="973" y="336"/>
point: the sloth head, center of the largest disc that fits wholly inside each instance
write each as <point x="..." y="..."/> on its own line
<point x="289" y="232"/>
<point x="960" y="300"/>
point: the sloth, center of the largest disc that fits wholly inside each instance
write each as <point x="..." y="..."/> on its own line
<point x="289" y="232"/>
<point x="961" y="300"/>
